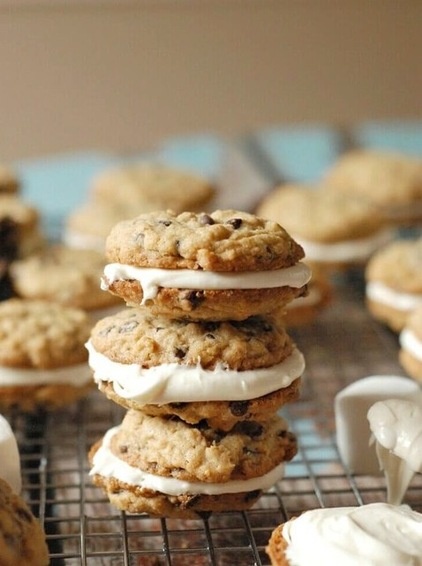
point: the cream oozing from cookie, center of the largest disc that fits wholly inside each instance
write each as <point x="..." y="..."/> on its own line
<point x="151" y="279"/>
<point x="172" y="383"/>
<point x="396" y="426"/>
<point x="106" y="464"/>
<point x="351" y="250"/>
<point x="9" y="454"/>
<point x="411" y="343"/>
<point x="77" y="375"/>
<point x="378" y="292"/>
<point x="375" y="534"/>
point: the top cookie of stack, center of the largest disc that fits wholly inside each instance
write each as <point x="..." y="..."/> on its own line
<point x="226" y="265"/>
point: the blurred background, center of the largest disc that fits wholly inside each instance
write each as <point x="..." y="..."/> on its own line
<point x="124" y="75"/>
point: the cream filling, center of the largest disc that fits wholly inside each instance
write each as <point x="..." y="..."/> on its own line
<point x="77" y="375"/>
<point x="396" y="426"/>
<point x="152" y="279"/>
<point x="9" y="454"/>
<point x="411" y="343"/>
<point x="375" y="534"/>
<point x="351" y="250"/>
<point x="106" y="464"/>
<point x="172" y="383"/>
<point x="380" y="293"/>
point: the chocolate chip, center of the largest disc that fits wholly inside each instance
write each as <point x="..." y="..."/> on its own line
<point x="239" y="408"/>
<point x="107" y="330"/>
<point x="205" y="219"/>
<point x="210" y="336"/>
<point x="123" y="449"/>
<point x="165" y="222"/>
<point x="195" y="298"/>
<point x="190" y="501"/>
<point x="210" y="326"/>
<point x="235" y="222"/>
<point x="24" y="514"/>
<point x="252" y="495"/>
<point x="180" y="353"/>
<point x="8" y="239"/>
<point x="250" y="428"/>
<point x="177" y="405"/>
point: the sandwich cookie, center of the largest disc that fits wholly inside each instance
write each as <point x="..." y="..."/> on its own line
<point x="169" y="468"/>
<point x="394" y="282"/>
<point x="43" y="360"/>
<point x="223" y="372"/>
<point x="223" y="265"/>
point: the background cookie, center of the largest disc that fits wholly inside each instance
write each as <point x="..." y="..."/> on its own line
<point x="9" y="181"/>
<point x="394" y="282"/>
<point x="42" y="354"/>
<point x="391" y="181"/>
<point x="65" y="275"/>
<point x="153" y="185"/>
<point x="335" y="230"/>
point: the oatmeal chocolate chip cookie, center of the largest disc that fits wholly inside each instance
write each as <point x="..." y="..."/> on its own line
<point x="391" y="181"/>
<point x="43" y="359"/>
<point x="223" y="371"/>
<point x="64" y="275"/>
<point x="152" y="185"/>
<point x="336" y="230"/>
<point x="22" y="539"/>
<point x="9" y="181"/>
<point x="394" y="282"/>
<point x="176" y="469"/>
<point x="223" y="265"/>
<point x="173" y="448"/>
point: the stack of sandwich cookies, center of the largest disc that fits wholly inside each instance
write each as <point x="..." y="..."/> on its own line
<point x="202" y="380"/>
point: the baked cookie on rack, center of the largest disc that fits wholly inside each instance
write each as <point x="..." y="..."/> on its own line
<point x="371" y="534"/>
<point x="152" y="184"/>
<point x="67" y="276"/>
<point x="394" y="282"/>
<point x="390" y="181"/>
<point x="43" y="359"/>
<point x="336" y="231"/>
<point x="220" y="371"/>
<point x="169" y="468"/>
<point x="223" y="265"/>
<point x="22" y="538"/>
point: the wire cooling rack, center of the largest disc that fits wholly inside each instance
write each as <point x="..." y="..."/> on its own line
<point x="82" y="528"/>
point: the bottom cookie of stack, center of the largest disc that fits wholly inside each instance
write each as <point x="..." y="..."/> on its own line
<point x="166" y="467"/>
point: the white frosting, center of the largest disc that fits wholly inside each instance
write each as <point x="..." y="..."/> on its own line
<point x="396" y="426"/>
<point x="151" y="279"/>
<point x="172" y="383"/>
<point x="411" y="343"/>
<point x="10" y="468"/>
<point x="380" y="293"/>
<point x="77" y="375"/>
<point x="376" y="534"/>
<point x="106" y="464"/>
<point x="351" y="406"/>
<point x="350" y="250"/>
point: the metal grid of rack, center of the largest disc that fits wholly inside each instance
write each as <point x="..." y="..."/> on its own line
<point x="82" y="528"/>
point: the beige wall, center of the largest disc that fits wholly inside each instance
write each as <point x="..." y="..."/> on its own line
<point x="98" y="75"/>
